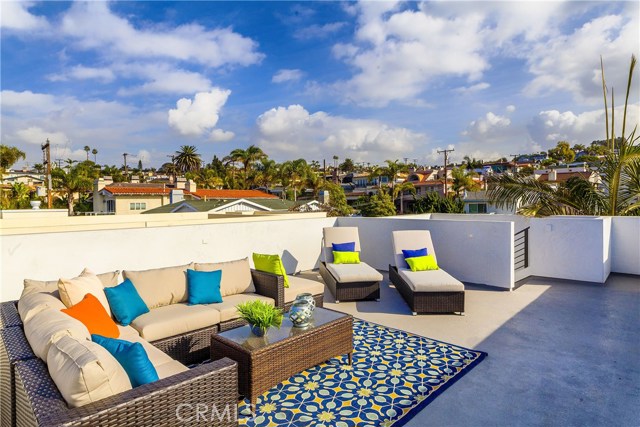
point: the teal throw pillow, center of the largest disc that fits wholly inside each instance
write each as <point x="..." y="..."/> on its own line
<point x="346" y="257"/>
<point x="125" y="301"/>
<point x="203" y="287"/>
<point x="422" y="263"/>
<point x="271" y="264"/>
<point x="133" y="358"/>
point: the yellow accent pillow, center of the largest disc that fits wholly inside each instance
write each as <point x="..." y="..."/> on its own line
<point x="346" y="257"/>
<point x="422" y="263"/>
<point x="271" y="264"/>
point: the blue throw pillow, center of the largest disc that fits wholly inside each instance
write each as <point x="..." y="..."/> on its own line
<point x="344" y="247"/>
<point x="203" y="287"/>
<point x="125" y="302"/>
<point x="411" y="253"/>
<point x="133" y="358"/>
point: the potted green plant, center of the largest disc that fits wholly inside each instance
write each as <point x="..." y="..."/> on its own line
<point x="260" y="316"/>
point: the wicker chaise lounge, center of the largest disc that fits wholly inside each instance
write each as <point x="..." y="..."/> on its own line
<point x="434" y="291"/>
<point x="347" y="282"/>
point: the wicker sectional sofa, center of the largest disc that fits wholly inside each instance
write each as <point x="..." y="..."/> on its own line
<point x="173" y="334"/>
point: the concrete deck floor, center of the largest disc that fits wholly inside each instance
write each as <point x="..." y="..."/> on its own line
<point x="561" y="353"/>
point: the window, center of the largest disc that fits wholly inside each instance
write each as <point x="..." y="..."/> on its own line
<point x="111" y="205"/>
<point x="477" y="208"/>
<point x="137" y="206"/>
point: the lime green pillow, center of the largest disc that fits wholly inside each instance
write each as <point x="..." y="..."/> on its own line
<point x="422" y="263"/>
<point x="271" y="264"/>
<point x="346" y="257"/>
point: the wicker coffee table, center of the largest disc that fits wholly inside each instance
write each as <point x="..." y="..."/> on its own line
<point x="265" y="362"/>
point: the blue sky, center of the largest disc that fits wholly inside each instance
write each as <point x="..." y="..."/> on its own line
<point x="365" y="80"/>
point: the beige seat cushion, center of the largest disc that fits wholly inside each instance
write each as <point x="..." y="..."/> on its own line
<point x="227" y="308"/>
<point x="332" y="235"/>
<point x="175" y="319"/>
<point x="35" y="302"/>
<point x="170" y="368"/>
<point x="160" y="286"/>
<point x="84" y="371"/>
<point x="236" y="276"/>
<point x="347" y="273"/>
<point x="300" y="285"/>
<point x="51" y="286"/>
<point x="48" y="326"/>
<point x="430" y="281"/>
<point x="72" y="291"/>
<point x="411" y="239"/>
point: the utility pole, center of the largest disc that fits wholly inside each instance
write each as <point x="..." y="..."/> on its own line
<point x="125" y="164"/>
<point x="446" y="157"/>
<point x="46" y="148"/>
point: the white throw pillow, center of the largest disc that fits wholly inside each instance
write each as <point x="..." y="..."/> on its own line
<point x="48" y="326"/>
<point x="84" y="371"/>
<point x="72" y="291"/>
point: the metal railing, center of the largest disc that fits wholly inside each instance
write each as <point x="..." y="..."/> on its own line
<point x="521" y="249"/>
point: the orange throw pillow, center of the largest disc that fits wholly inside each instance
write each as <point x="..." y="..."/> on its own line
<point x="92" y="314"/>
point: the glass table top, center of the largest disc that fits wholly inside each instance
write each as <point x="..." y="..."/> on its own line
<point x="243" y="336"/>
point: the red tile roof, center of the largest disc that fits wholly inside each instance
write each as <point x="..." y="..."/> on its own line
<point x="233" y="194"/>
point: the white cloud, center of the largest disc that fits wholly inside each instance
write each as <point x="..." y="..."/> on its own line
<point x="95" y="26"/>
<point x="510" y="108"/>
<point x="37" y="135"/>
<point x="316" y="31"/>
<point x="466" y="90"/>
<point x="80" y="72"/>
<point x="162" y="78"/>
<point x="200" y="115"/>
<point x="287" y="75"/>
<point x="487" y="128"/>
<point x="293" y="131"/>
<point x="219" y="135"/>
<point x="16" y="16"/>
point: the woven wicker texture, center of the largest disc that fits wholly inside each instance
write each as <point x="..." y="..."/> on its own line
<point x="9" y="315"/>
<point x="427" y="302"/>
<point x="13" y="347"/>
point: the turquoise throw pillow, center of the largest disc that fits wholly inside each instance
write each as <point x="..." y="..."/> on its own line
<point x="203" y="287"/>
<point x="344" y="247"/>
<point x="271" y="264"/>
<point x="133" y="358"/>
<point x="422" y="263"/>
<point x="346" y="257"/>
<point x="125" y="301"/>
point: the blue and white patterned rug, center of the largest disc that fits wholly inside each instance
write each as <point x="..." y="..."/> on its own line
<point x="394" y="375"/>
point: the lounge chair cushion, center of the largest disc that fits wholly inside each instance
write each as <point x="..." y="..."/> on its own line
<point x="236" y="276"/>
<point x="34" y="302"/>
<point x="160" y="286"/>
<point x="333" y="235"/>
<point x="431" y="281"/>
<point x="48" y="326"/>
<point x="347" y="273"/>
<point x="227" y="308"/>
<point x="73" y="291"/>
<point x="51" y="286"/>
<point x="411" y="239"/>
<point x="174" y="319"/>
<point x="84" y="371"/>
<point x="300" y="285"/>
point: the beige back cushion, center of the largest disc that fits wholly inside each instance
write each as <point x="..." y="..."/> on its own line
<point x="411" y="239"/>
<point x="338" y="235"/>
<point x="160" y="286"/>
<point x="236" y="276"/>
<point x="51" y="286"/>
<point x="72" y="291"/>
<point x="84" y="371"/>
<point x="33" y="303"/>
<point x="48" y="326"/>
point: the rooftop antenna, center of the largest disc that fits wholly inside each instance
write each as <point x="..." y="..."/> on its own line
<point x="446" y="156"/>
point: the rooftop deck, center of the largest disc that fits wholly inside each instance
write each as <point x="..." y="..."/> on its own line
<point x="560" y="352"/>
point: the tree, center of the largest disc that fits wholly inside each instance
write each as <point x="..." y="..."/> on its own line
<point x="38" y="167"/>
<point x="433" y="202"/>
<point x="400" y="189"/>
<point x="9" y="156"/>
<point x="393" y="168"/>
<point x="247" y="157"/>
<point x="462" y="180"/>
<point x="187" y="159"/>
<point x="347" y="166"/>
<point x="337" y="200"/>
<point x="380" y="204"/>
<point x="267" y="172"/>
<point x="562" y="152"/>
<point x="472" y="163"/>
<point x="87" y="149"/>
<point x="74" y="181"/>
<point x="618" y="193"/>
<point x="294" y="174"/>
<point x="95" y="155"/>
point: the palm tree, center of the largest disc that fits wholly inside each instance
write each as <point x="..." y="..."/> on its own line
<point x="87" y="149"/>
<point x="462" y="180"/>
<point x="10" y="155"/>
<point x="95" y="155"/>
<point x="74" y="181"/>
<point x="267" y="171"/>
<point x="70" y="163"/>
<point x="400" y="189"/>
<point x="247" y="157"/>
<point x="294" y="174"/>
<point x="393" y="168"/>
<point x="618" y="193"/>
<point x="187" y="159"/>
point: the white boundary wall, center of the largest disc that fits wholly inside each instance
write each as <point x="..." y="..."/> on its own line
<point x="625" y="245"/>
<point x="474" y="252"/>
